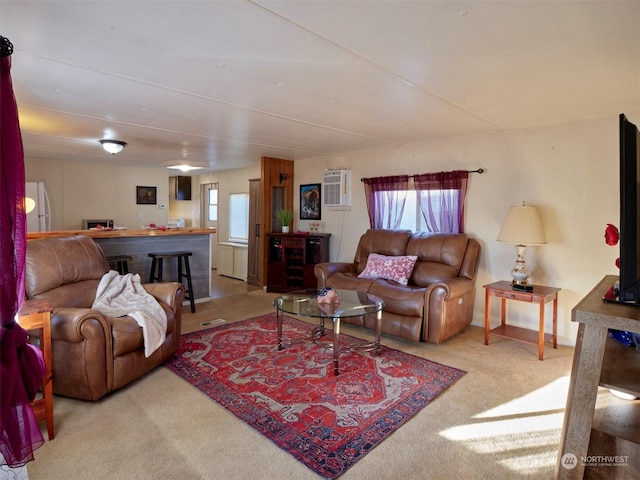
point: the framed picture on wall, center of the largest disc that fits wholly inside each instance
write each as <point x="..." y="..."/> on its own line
<point x="146" y="195"/>
<point x="310" y="202"/>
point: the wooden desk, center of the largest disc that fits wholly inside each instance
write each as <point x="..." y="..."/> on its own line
<point x="540" y="295"/>
<point x="601" y="361"/>
<point x="36" y="315"/>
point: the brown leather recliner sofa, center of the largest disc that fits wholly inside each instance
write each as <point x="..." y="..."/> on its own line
<point x="93" y="354"/>
<point x="437" y="302"/>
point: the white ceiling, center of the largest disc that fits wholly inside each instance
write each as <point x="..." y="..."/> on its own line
<point x="222" y="83"/>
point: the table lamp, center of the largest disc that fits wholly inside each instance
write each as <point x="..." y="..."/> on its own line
<point x="523" y="227"/>
<point x="29" y="204"/>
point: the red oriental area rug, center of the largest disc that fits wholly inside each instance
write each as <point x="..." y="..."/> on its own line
<point x="292" y="397"/>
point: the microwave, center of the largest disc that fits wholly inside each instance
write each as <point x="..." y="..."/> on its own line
<point x="87" y="224"/>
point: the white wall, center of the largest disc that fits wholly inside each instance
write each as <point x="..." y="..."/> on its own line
<point x="99" y="191"/>
<point x="569" y="171"/>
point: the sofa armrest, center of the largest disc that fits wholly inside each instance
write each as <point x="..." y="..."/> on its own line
<point x="448" y="308"/>
<point x="81" y="347"/>
<point x="171" y="293"/>
<point x="325" y="269"/>
<point x="74" y="325"/>
<point x="450" y="288"/>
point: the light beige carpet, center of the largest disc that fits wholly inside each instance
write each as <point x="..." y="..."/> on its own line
<point x="500" y="421"/>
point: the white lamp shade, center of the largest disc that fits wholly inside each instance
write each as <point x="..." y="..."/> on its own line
<point x="522" y="225"/>
<point x="29" y="204"/>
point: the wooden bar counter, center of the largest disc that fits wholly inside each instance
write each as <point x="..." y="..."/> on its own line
<point x="139" y="243"/>
<point x="123" y="233"/>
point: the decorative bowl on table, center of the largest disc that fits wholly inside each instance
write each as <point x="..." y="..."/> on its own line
<point x="328" y="295"/>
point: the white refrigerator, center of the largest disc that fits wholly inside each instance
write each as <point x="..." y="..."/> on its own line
<point x="39" y="219"/>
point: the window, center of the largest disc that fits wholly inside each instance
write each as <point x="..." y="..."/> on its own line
<point x="209" y="205"/>
<point x="413" y="219"/>
<point x="239" y="217"/>
<point x="432" y="202"/>
<point x="213" y="205"/>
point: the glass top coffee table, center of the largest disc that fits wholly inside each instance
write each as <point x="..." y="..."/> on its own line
<point x="304" y="303"/>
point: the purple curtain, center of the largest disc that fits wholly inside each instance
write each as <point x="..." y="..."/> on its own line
<point x="441" y="197"/>
<point x="386" y="197"/>
<point x="20" y="433"/>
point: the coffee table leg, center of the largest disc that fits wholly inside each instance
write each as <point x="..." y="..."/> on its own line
<point x="378" y="328"/>
<point x="336" y="344"/>
<point x="279" y="327"/>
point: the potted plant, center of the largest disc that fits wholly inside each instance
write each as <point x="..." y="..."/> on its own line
<point x="285" y="217"/>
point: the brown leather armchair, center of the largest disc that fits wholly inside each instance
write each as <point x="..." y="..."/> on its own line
<point x="93" y="354"/>
<point x="438" y="300"/>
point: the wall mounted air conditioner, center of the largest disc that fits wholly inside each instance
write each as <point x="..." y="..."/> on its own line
<point x="336" y="188"/>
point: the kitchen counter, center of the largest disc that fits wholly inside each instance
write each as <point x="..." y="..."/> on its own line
<point x="148" y="232"/>
<point x="138" y="244"/>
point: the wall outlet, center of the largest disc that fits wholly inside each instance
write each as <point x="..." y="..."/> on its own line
<point x="139" y="215"/>
<point x="162" y="206"/>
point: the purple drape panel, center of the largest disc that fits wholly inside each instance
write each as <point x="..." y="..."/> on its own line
<point x="20" y="433"/>
<point x="386" y="197"/>
<point x="13" y="229"/>
<point x="441" y="197"/>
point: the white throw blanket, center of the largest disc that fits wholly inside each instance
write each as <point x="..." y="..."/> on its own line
<point x="120" y="295"/>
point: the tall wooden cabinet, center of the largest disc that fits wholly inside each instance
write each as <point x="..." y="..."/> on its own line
<point x="253" y="265"/>
<point x="276" y="191"/>
<point x="292" y="258"/>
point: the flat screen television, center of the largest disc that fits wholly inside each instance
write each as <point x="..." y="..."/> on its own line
<point x="627" y="290"/>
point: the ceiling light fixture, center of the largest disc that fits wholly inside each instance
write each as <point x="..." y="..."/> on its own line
<point x="185" y="168"/>
<point x="113" y="146"/>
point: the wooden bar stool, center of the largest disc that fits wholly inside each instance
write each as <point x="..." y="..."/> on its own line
<point x="121" y="263"/>
<point x="156" y="271"/>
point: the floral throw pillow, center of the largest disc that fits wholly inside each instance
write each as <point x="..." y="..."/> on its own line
<point x="393" y="268"/>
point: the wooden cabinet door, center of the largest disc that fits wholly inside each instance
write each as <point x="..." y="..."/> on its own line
<point x="180" y="188"/>
<point x="225" y="260"/>
<point x="275" y="264"/>
<point x="253" y="265"/>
